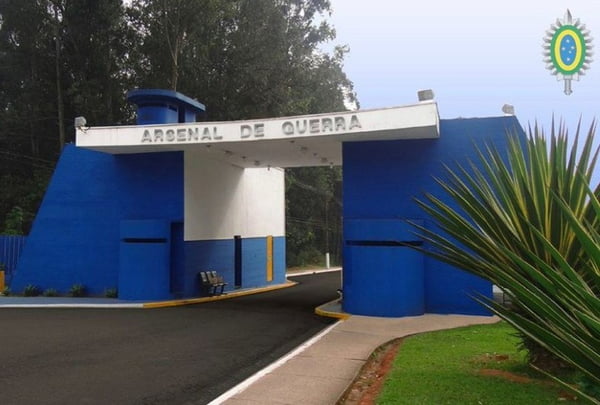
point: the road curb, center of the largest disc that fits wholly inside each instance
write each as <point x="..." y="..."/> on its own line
<point x="314" y="271"/>
<point x="149" y="305"/>
<point x="322" y="310"/>
<point x="228" y="295"/>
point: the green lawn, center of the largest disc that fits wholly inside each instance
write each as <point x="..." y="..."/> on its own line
<point x="445" y="368"/>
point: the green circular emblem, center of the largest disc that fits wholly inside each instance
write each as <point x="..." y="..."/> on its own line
<point x="568" y="49"/>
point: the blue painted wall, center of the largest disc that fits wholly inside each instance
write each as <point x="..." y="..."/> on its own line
<point x="145" y="260"/>
<point x="75" y="237"/>
<point x="381" y="180"/>
<point x="254" y="261"/>
<point x="386" y="281"/>
<point x="218" y="255"/>
<point x="374" y="247"/>
<point x="177" y="261"/>
<point x="150" y="185"/>
<point x="206" y="255"/>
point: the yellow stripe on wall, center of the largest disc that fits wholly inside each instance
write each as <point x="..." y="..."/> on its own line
<point x="269" y="258"/>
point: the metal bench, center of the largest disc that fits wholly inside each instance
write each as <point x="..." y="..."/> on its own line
<point x="212" y="283"/>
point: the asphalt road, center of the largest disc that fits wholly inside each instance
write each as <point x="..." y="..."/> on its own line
<point x="181" y="355"/>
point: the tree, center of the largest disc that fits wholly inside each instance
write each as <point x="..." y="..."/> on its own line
<point x="96" y="52"/>
<point x="26" y="81"/>
<point x="244" y="59"/>
<point x="179" y="40"/>
<point x="59" y="59"/>
<point x="313" y="215"/>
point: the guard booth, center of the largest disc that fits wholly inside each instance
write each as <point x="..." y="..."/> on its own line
<point x="381" y="180"/>
<point x="148" y="265"/>
<point x="158" y="106"/>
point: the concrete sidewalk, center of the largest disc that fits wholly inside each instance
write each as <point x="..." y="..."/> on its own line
<point x="319" y="372"/>
<point x="66" y="302"/>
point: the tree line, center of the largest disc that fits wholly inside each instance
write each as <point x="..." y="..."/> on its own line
<point x="243" y="59"/>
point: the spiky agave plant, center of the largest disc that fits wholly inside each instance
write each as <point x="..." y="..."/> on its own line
<point x="530" y="224"/>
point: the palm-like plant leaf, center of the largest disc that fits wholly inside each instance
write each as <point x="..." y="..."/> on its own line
<point x="530" y="224"/>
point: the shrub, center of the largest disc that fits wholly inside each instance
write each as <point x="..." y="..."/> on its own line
<point x="50" y="292"/>
<point x="530" y="225"/>
<point x="31" y="290"/>
<point x="77" y="290"/>
<point x="6" y="291"/>
<point x="111" y="293"/>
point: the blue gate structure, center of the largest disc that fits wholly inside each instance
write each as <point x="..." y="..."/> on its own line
<point x="11" y="247"/>
<point x="144" y="208"/>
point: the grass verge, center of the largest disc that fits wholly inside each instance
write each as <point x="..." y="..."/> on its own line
<point x="472" y="365"/>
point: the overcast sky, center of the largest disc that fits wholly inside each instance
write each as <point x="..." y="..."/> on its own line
<point x="475" y="55"/>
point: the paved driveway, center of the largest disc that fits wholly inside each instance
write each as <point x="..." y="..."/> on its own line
<point x="162" y="356"/>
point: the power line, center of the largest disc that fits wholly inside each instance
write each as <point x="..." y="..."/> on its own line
<point x="313" y="189"/>
<point x="8" y="152"/>
<point x="317" y="224"/>
<point x="32" y="162"/>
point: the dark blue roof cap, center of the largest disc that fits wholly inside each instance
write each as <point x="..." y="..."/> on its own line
<point x="146" y="96"/>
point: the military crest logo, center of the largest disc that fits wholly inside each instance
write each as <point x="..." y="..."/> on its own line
<point x="568" y="50"/>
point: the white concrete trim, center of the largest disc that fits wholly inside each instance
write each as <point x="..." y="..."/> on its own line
<point x="304" y="140"/>
<point x="241" y="387"/>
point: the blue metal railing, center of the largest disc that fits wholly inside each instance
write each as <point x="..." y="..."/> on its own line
<point x="11" y="247"/>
